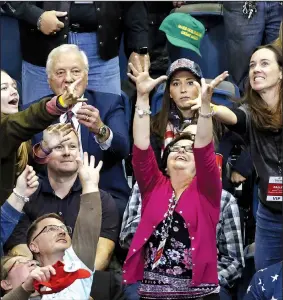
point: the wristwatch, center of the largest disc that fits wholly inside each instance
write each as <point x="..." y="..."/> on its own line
<point x="102" y="131"/>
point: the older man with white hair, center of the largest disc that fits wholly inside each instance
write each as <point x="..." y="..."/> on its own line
<point x="99" y="122"/>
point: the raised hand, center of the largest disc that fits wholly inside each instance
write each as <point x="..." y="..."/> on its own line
<point x="196" y="103"/>
<point x="56" y="134"/>
<point x="144" y="83"/>
<point x="27" y="182"/>
<point x="88" y="174"/>
<point x="133" y="60"/>
<point x="205" y="91"/>
<point x="70" y="96"/>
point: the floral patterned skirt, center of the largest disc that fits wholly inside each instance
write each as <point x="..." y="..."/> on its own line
<point x="158" y="286"/>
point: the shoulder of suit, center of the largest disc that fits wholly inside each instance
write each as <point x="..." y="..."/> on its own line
<point x="109" y="96"/>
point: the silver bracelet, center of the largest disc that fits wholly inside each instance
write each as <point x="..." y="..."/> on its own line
<point x="23" y="198"/>
<point x="207" y="116"/>
<point x="38" y="23"/>
<point x="143" y="112"/>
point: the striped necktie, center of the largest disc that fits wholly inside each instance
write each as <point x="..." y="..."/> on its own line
<point x="69" y="118"/>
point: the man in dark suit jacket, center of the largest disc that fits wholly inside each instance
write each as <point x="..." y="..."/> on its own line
<point x="100" y="122"/>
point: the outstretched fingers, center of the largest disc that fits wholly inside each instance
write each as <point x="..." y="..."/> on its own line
<point x="99" y="165"/>
<point x="197" y="85"/>
<point x="216" y="81"/>
<point x="146" y="63"/>
<point x="73" y="86"/>
<point x="160" y="79"/>
<point x="92" y="161"/>
<point x="133" y="69"/>
<point x="138" y="64"/>
<point x="132" y="77"/>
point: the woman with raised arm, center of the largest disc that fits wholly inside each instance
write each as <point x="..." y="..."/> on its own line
<point x="173" y="253"/>
<point x="259" y="121"/>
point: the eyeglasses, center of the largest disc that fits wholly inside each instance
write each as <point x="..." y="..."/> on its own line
<point x="177" y="148"/>
<point x="30" y="262"/>
<point x="54" y="228"/>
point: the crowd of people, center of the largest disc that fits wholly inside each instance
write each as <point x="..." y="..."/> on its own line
<point x="72" y="225"/>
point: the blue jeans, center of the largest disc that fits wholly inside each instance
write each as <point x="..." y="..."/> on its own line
<point x="225" y="294"/>
<point x="103" y="76"/>
<point x="268" y="238"/>
<point x="131" y="291"/>
<point x="243" y="35"/>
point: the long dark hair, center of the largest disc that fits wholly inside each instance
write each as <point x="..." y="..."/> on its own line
<point x="262" y="116"/>
<point x="160" y="120"/>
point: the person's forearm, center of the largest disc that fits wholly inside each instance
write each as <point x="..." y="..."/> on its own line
<point x="136" y="25"/>
<point x="229" y="271"/>
<point x="17" y="204"/>
<point x="87" y="228"/>
<point x="224" y="114"/>
<point x="17" y="294"/>
<point x="104" y="251"/>
<point x="141" y="127"/>
<point x="204" y="127"/>
<point x="102" y="260"/>
<point x="23" y="10"/>
<point x="89" y="188"/>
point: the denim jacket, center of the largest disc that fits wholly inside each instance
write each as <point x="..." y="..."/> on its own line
<point x="9" y="219"/>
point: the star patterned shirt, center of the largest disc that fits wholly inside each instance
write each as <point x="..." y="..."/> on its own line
<point x="266" y="284"/>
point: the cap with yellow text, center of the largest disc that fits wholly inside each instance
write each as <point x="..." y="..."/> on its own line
<point x="183" y="30"/>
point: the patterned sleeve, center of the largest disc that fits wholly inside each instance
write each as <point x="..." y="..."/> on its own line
<point x="254" y="291"/>
<point x="131" y="218"/>
<point x="38" y="155"/>
<point x="230" y="243"/>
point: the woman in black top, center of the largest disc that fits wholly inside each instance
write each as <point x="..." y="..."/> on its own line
<point x="259" y="121"/>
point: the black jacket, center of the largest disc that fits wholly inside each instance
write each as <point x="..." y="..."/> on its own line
<point x="114" y="19"/>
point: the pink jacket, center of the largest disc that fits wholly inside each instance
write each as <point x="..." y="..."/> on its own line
<point x="199" y="205"/>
